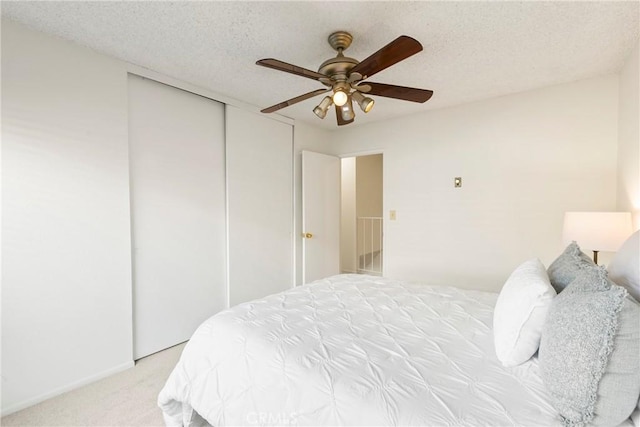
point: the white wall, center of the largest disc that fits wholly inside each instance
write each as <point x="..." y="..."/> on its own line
<point x="525" y="159"/>
<point x="629" y="137"/>
<point x="66" y="277"/>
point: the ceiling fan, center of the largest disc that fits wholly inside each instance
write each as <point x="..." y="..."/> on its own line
<point x="345" y="77"/>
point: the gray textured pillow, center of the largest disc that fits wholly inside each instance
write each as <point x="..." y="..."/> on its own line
<point x="590" y="351"/>
<point x="567" y="266"/>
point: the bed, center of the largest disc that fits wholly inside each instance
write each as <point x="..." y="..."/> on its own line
<point x="354" y="350"/>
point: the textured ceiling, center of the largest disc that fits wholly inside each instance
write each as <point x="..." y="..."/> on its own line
<point x="472" y="50"/>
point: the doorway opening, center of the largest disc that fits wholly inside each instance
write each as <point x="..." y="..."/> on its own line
<point x="361" y="224"/>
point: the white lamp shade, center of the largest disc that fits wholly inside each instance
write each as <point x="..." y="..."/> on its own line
<point x="597" y="231"/>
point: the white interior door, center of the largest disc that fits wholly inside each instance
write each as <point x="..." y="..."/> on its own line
<point x="178" y="212"/>
<point x="320" y="215"/>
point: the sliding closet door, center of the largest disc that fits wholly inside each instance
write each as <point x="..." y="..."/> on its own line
<point x="178" y="212"/>
<point x="260" y="192"/>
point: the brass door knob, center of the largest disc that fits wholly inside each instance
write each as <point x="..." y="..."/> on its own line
<point x="307" y="235"/>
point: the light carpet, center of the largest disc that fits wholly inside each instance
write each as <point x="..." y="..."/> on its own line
<point x="124" y="399"/>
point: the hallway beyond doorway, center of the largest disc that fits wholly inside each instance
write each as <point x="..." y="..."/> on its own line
<point x="361" y="228"/>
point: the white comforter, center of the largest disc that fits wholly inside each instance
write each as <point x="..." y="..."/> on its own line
<point x="354" y="350"/>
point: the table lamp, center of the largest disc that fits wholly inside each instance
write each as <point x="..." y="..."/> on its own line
<point x="598" y="231"/>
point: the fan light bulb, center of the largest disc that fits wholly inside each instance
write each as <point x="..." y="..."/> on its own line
<point x="340" y="97"/>
<point x="321" y="109"/>
<point x="347" y="112"/>
<point x="365" y="103"/>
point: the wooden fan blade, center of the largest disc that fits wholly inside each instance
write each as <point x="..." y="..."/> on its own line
<point x="289" y="68"/>
<point x="341" y="121"/>
<point x="399" y="92"/>
<point x="294" y="100"/>
<point x="396" y="51"/>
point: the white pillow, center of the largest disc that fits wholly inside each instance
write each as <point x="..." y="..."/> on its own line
<point x="520" y="313"/>
<point x="624" y="268"/>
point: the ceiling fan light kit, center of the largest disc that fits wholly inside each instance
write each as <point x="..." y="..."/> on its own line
<point x="323" y="107"/>
<point x="344" y="77"/>
<point x="340" y="97"/>
<point x="365" y="103"/>
<point x="347" y="111"/>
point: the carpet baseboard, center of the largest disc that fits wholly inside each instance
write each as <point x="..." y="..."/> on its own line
<point x="60" y="390"/>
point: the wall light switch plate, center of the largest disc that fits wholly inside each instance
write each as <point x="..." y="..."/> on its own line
<point x="457" y="182"/>
<point x="392" y="215"/>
